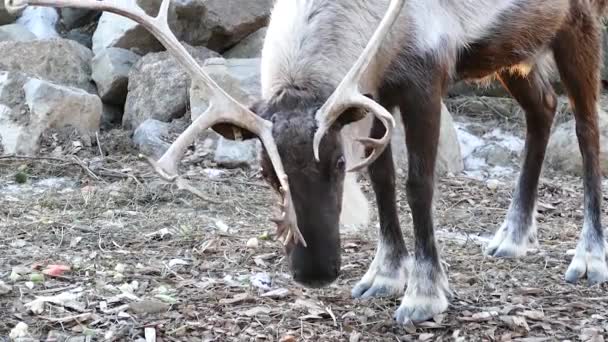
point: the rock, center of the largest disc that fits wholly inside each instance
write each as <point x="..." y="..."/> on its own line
<point x="238" y="77"/>
<point x="111" y="70"/>
<point x="495" y="154"/>
<point x="563" y="153"/>
<point x="41" y="21"/>
<point x="29" y="107"/>
<point x="449" y="156"/>
<point x="150" y="138"/>
<point x="5" y="17"/>
<point x="72" y="18"/>
<point x="59" y="61"/>
<point x="80" y="37"/>
<point x="220" y="24"/>
<point x="250" y="47"/>
<point x="117" y="31"/>
<point x="15" y="32"/>
<point x="233" y="154"/>
<point x="158" y="87"/>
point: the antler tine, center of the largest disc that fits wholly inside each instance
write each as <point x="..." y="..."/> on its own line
<point x="347" y="93"/>
<point x="222" y="107"/>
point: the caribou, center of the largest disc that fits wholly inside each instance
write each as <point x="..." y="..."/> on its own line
<point x="327" y="64"/>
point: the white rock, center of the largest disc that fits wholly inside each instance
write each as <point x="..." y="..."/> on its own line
<point x="114" y="30"/>
<point x="492" y="184"/>
<point x="563" y="152"/>
<point x="41" y="21"/>
<point x="42" y="105"/>
<point x="19" y="331"/>
<point x="253" y="243"/>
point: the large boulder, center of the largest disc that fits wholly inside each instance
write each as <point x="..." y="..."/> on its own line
<point x="30" y="106"/>
<point x="449" y="156"/>
<point x="59" y="61"/>
<point x="563" y="153"/>
<point x="15" y="32"/>
<point x="239" y="78"/>
<point x="250" y="47"/>
<point x="114" y="30"/>
<point x="41" y="21"/>
<point x="72" y="18"/>
<point x="220" y="24"/>
<point x="158" y="87"/>
<point x="111" y="70"/>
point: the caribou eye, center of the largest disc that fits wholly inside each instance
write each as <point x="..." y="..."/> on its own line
<point x="341" y="163"/>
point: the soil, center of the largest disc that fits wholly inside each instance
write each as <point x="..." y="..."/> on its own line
<point x="147" y="259"/>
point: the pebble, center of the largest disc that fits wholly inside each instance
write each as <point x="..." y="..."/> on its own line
<point x="253" y="243"/>
<point x="492" y="184"/>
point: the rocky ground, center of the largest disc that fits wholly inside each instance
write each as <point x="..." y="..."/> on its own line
<point x="94" y="247"/>
<point x="146" y="259"/>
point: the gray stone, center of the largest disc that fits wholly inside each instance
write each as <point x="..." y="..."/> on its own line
<point x="220" y="24"/>
<point x="158" y="87"/>
<point x="449" y="156"/>
<point x="563" y="153"/>
<point x="150" y="138"/>
<point x="495" y="154"/>
<point x="238" y="77"/>
<point x="29" y="106"/>
<point x="250" y="47"/>
<point x="72" y="18"/>
<point x="80" y="37"/>
<point x="15" y="32"/>
<point x="117" y="31"/>
<point x="42" y="21"/>
<point x="233" y="154"/>
<point x="60" y="61"/>
<point x="111" y="70"/>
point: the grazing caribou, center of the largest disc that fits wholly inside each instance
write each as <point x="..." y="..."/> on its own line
<point x="310" y="93"/>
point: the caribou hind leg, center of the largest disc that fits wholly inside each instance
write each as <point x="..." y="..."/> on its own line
<point x="427" y="289"/>
<point x="536" y="96"/>
<point x="387" y="274"/>
<point x="577" y="54"/>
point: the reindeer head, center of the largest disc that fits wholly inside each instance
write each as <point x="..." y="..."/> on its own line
<point x="303" y="136"/>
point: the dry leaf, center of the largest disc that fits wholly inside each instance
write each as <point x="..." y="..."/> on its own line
<point x="239" y="298"/>
<point x="277" y="294"/>
<point x="533" y="315"/>
<point x="255" y="311"/>
<point x="480" y="316"/>
<point x="515" y="323"/>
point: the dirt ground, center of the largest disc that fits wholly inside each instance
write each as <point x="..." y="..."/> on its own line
<point x="147" y="259"/>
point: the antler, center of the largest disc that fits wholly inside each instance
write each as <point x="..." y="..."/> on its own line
<point x="347" y="94"/>
<point x="222" y="107"/>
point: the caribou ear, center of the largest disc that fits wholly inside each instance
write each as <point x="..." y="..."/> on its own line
<point x="232" y="132"/>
